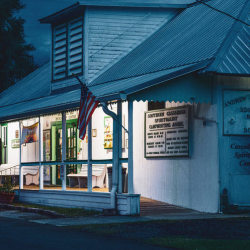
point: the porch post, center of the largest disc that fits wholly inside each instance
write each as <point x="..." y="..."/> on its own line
<point x="119" y="113"/>
<point x="89" y="180"/>
<point x="40" y="158"/>
<point x="20" y="157"/>
<point x="64" y="149"/>
<point x="130" y="148"/>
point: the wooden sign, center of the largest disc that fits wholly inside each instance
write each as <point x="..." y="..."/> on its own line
<point x="166" y="133"/>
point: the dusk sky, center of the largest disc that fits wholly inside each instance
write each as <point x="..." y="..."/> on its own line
<point x="39" y="34"/>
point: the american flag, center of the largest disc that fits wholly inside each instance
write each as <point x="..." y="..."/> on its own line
<point x="88" y="105"/>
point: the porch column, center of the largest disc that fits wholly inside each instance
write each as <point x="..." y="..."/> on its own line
<point x="130" y="148"/>
<point x="20" y="157"/>
<point x="89" y="180"/>
<point x="64" y="149"/>
<point x="119" y="113"/>
<point x="40" y="158"/>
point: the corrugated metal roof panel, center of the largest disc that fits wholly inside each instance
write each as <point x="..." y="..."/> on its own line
<point x="193" y="36"/>
<point x="134" y="84"/>
<point x="43" y="105"/>
<point x="69" y="100"/>
<point x="237" y="59"/>
<point x="35" y="85"/>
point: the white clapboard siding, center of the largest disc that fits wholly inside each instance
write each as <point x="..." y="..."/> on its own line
<point x="127" y="204"/>
<point x="114" y="32"/>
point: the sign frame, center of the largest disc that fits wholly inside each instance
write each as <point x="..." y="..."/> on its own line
<point x="223" y="110"/>
<point x="165" y="109"/>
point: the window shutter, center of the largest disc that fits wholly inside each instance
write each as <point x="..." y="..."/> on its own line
<point x="75" y="48"/>
<point x="59" y="51"/>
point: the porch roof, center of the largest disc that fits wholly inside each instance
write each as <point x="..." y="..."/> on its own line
<point x="104" y="92"/>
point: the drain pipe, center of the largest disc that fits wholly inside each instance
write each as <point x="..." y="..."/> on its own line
<point x="115" y="155"/>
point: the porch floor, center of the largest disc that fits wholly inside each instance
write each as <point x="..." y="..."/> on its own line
<point x="149" y="207"/>
<point x="36" y="187"/>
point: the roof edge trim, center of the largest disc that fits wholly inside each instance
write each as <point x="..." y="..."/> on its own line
<point x="52" y="17"/>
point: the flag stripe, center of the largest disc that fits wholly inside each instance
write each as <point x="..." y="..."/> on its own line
<point x="88" y="104"/>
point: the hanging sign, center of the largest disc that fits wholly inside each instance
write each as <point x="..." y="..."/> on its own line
<point x="29" y="134"/>
<point x="166" y="133"/>
<point x="236" y="106"/>
<point x="62" y="174"/>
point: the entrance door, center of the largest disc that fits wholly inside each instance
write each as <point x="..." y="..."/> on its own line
<point x="71" y="149"/>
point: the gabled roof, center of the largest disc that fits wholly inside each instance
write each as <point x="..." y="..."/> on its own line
<point x="195" y="35"/>
<point x="79" y="6"/>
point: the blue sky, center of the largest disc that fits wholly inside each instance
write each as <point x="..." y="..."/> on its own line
<point x="40" y="34"/>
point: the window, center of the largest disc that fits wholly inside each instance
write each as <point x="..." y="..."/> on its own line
<point x="156" y="105"/>
<point x="68" y="49"/>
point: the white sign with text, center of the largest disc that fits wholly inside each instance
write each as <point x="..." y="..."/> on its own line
<point x="166" y="133"/>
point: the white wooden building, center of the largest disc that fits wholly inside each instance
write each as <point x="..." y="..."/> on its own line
<point x="176" y="75"/>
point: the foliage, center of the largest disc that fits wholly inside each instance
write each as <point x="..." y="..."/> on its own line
<point x="7" y="187"/>
<point x="15" y="59"/>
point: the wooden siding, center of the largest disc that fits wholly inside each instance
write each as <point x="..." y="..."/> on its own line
<point x="109" y="34"/>
<point x="114" y="32"/>
<point x="126" y="204"/>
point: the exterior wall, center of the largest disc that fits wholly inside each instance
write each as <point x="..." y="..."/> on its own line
<point x="238" y="185"/>
<point x="191" y="182"/>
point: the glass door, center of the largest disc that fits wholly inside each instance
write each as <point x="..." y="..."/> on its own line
<point x="71" y="150"/>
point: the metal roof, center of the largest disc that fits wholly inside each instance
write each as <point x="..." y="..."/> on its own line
<point x="234" y="55"/>
<point x="134" y="84"/>
<point x="79" y="6"/>
<point x="193" y="36"/>
<point x="45" y="105"/>
<point x="34" y="86"/>
<point x="104" y="92"/>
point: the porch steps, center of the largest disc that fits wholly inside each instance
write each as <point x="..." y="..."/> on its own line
<point x="153" y="207"/>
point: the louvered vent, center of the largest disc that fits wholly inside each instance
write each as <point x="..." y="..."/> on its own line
<point x="68" y="49"/>
<point x="59" y="52"/>
<point x="75" y="46"/>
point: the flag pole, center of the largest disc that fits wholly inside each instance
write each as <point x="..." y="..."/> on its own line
<point x="82" y="84"/>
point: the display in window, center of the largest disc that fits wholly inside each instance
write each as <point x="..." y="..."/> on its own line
<point x="108" y="132"/>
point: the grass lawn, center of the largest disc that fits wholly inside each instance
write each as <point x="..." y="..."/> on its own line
<point x="199" y="244"/>
<point x="207" y="234"/>
<point x="71" y="212"/>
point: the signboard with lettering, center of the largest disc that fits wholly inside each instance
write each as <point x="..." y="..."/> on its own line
<point x="166" y="132"/>
<point x="15" y="143"/>
<point x="236" y="106"/>
<point x="240" y="155"/>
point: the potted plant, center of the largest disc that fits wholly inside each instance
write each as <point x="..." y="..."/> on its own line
<point x="6" y="191"/>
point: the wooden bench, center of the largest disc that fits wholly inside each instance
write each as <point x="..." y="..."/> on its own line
<point x="98" y="176"/>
